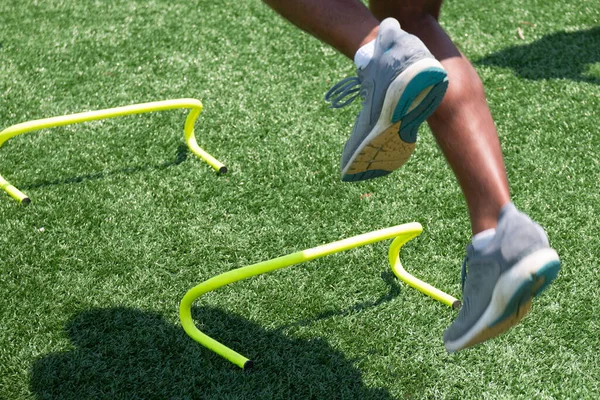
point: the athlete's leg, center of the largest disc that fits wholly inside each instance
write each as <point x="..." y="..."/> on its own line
<point x="343" y="24"/>
<point x="514" y="264"/>
<point x="462" y="124"/>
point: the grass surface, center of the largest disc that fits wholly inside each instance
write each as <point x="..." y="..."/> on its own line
<point x="125" y="220"/>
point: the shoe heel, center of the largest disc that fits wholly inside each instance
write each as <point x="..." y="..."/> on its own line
<point x="546" y="275"/>
<point x="520" y="298"/>
<point x="532" y="287"/>
<point x="413" y="115"/>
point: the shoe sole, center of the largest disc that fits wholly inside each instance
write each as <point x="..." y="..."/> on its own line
<point x="511" y="299"/>
<point x="410" y="99"/>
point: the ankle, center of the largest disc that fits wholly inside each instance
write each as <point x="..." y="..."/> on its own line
<point x="481" y="239"/>
<point x="486" y="218"/>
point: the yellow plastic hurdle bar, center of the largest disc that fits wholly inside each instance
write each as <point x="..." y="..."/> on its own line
<point x="188" y="130"/>
<point x="401" y="233"/>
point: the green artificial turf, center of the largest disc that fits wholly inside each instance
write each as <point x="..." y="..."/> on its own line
<point x="125" y="219"/>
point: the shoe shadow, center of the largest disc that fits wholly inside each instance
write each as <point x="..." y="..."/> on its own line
<point x="124" y="353"/>
<point x="560" y="55"/>
<point x="181" y="156"/>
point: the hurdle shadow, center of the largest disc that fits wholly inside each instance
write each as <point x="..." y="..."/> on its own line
<point x="387" y="276"/>
<point x="560" y="55"/>
<point x="180" y="157"/>
<point x="124" y="353"/>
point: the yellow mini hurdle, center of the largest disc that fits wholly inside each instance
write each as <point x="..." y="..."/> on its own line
<point x="194" y="105"/>
<point x="401" y="233"/>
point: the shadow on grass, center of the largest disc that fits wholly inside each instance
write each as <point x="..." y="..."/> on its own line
<point x="561" y="55"/>
<point x="123" y="353"/>
<point x="387" y="276"/>
<point x="181" y="156"/>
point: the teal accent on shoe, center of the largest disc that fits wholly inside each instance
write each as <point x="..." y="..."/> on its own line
<point x="432" y="76"/>
<point x="421" y="81"/>
<point x="522" y="295"/>
<point x="411" y="122"/>
<point x="370" y="174"/>
<point x="549" y="272"/>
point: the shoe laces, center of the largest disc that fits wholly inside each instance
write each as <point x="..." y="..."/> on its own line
<point x="346" y="87"/>
<point x="463" y="273"/>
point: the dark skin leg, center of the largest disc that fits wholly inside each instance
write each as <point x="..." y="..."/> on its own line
<point x="462" y="124"/>
<point x="345" y="25"/>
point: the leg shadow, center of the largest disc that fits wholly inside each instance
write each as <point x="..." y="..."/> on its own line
<point x="560" y="55"/>
<point x="123" y="353"/>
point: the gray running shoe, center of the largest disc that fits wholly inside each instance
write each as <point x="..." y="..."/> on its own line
<point x="401" y="87"/>
<point x="502" y="279"/>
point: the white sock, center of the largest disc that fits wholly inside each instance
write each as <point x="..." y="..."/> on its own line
<point x="364" y="54"/>
<point x="481" y="239"/>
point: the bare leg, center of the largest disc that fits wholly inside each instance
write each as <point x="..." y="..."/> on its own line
<point x="462" y="124"/>
<point x="343" y="24"/>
